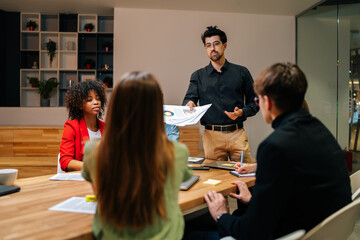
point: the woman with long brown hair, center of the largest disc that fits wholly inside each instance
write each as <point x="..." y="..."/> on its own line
<point x="134" y="170"/>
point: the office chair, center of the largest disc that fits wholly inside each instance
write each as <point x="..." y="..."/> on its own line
<point x="355" y="184"/>
<point x="296" y="235"/>
<point x="59" y="170"/>
<point x="338" y="225"/>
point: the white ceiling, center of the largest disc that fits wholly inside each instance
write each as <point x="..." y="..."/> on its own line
<point x="105" y="7"/>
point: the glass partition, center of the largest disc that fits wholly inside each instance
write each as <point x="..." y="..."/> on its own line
<point x="328" y="43"/>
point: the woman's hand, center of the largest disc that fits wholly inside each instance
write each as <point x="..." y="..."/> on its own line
<point x="246" y="167"/>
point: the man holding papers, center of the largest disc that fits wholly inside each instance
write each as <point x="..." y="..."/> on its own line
<point x="301" y="176"/>
<point x="229" y="88"/>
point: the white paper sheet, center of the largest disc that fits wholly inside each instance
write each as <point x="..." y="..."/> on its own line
<point x="182" y="116"/>
<point x="76" y="205"/>
<point x="67" y="177"/>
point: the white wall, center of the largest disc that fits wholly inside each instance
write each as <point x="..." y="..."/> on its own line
<point x="167" y="43"/>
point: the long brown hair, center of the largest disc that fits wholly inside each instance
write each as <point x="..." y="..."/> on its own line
<point x="134" y="156"/>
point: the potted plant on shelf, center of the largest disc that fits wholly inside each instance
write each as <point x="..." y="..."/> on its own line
<point x="45" y="89"/>
<point x="34" y="81"/>
<point x="51" y="47"/>
<point x="32" y="25"/>
<point x="89" y="27"/>
<point x="108" y="81"/>
<point x="107" y="46"/>
<point x="89" y="63"/>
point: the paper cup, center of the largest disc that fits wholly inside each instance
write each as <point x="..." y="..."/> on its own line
<point x="8" y="176"/>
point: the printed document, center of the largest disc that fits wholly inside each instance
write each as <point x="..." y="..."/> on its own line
<point x="76" y="205"/>
<point x="67" y="177"/>
<point x="182" y="116"/>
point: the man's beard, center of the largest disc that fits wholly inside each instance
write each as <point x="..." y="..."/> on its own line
<point x="215" y="57"/>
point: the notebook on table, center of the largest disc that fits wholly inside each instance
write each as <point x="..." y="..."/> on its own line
<point x="187" y="184"/>
<point x="5" y="189"/>
<point x="221" y="165"/>
<point x="196" y="160"/>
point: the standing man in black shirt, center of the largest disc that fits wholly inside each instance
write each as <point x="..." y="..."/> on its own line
<point x="229" y="88"/>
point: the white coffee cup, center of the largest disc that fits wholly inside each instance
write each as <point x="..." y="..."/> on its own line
<point x="8" y="176"/>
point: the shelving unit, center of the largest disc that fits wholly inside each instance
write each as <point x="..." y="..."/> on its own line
<point x="74" y="45"/>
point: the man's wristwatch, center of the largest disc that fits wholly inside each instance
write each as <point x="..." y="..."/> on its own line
<point x="219" y="216"/>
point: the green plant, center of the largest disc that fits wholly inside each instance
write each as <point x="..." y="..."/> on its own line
<point x="34" y="81"/>
<point x="31" y="23"/>
<point x="51" y="47"/>
<point x="89" y="26"/>
<point x="46" y="86"/>
<point x="107" y="45"/>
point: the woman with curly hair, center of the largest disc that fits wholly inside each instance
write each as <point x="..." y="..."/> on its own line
<point x="85" y="102"/>
<point x="134" y="169"/>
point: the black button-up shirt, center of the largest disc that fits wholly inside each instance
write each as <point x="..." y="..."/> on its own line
<point x="230" y="88"/>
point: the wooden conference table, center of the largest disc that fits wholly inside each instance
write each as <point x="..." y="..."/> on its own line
<point x="25" y="215"/>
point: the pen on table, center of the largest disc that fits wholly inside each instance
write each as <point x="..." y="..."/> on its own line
<point x="90" y="198"/>
<point x="242" y="157"/>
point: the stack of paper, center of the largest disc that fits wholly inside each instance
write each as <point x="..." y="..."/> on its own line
<point x="182" y="116"/>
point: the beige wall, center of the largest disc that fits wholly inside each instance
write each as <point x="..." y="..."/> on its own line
<point x="167" y="43"/>
<point x="33" y="116"/>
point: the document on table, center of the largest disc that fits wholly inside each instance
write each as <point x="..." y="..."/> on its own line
<point x="235" y="173"/>
<point x="67" y="177"/>
<point x="198" y="160"/>
<point x="182" y="116"/>
<point x="75" y="204"/>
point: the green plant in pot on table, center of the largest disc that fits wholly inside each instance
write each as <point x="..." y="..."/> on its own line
<point x="45" y="88"/>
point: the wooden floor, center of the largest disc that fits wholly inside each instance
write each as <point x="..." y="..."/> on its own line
<point x="34" y="150"/>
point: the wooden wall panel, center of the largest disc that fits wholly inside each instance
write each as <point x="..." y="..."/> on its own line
<point x="37" y="135"/>
<point x="37" y="142"/>
<point x="36" y="149"/>
<point x="6" y="142"/>
<point x="190" y="136"/>
<point x="33" y="150"/>
<point x="38" y="161"/>
<point x="26" y="172"/>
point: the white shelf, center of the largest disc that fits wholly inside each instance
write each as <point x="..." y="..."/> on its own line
<point x="26" y="17"/>
<point x="68" y="42"/>
<point x="83" y="19"/>
<point x="45" y="61"/>
<point x="67" y="58"/>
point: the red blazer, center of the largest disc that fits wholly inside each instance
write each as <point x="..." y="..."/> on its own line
<point x="74" y="137"/>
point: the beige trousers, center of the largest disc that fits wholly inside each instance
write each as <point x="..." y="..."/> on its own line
<point x="221" y="145"/>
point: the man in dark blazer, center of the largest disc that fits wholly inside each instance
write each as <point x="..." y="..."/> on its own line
<point x="301" y="175"/>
